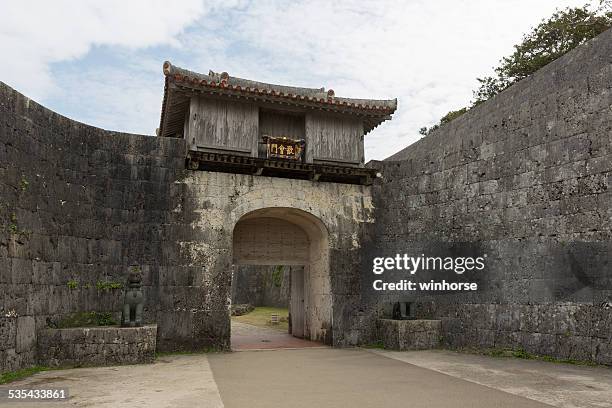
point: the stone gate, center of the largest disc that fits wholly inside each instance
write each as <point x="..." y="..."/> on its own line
<point x="524" y="177"/>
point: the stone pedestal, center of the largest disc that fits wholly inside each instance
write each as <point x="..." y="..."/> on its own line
<point x="97" y="346"/>
<point x="409" y="334"/>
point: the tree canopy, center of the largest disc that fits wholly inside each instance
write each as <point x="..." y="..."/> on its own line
<point x="563" y="31"/>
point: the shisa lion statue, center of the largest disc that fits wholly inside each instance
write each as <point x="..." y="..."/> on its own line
<point x="134" y="300"/>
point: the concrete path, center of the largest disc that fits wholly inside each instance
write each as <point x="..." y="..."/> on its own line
<point x="560" y="385"/>
<point x="345" y="378"/>
<point x="248" y="337"/>
<point x="326" y="377"/>
<point x="173" y="381"/>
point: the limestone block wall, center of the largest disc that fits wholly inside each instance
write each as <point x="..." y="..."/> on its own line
<point x="78" y="206"/>
<point x="526" y="179"/>
<point x="96" y="346"/>
<point x="408" y="334"/>
<point x="262" y="285"/>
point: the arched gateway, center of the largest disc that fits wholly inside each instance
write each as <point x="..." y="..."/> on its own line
<point x="276" y="177"/>
<point x="289" y="236"/>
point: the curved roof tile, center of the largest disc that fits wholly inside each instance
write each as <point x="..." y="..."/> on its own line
<point x="376" y="111"/>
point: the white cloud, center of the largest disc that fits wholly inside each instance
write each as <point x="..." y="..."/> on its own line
<point x="425" y="53"/>
<point x="35" y="34"/>
<point x="114" y="98"/>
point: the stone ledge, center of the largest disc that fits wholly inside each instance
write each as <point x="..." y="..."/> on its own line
<point x="97" y="346"/>
<point x="409" y="334"/>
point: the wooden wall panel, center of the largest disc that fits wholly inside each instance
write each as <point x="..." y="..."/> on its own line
<point x="222" y="126"/>
<point x="297" y="303"/>
<point x="333" y="138"/>
<point x="270" y="241"/>
<point x="278" y="125"/>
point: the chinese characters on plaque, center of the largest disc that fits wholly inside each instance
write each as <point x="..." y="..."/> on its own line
<point x="284" y="148"/>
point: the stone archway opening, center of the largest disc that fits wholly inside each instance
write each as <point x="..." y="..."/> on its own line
<point x="299" y="241"/>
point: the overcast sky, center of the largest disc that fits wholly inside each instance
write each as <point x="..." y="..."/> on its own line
<point x="101" y="62"/>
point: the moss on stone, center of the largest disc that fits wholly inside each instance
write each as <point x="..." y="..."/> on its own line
<point x="86" y="319"/>
<point x="24" y="183"/>
<point x="106" y="285"/>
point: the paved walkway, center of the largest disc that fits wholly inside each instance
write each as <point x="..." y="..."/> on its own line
<point x="249" y="337"/>
<point x="561" y="385"/>
<point x="174" y="381"/>
<point x="351" y="378"/>
<point x="326" y="377"/>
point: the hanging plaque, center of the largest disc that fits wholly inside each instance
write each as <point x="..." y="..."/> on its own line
<point x="284" y="148"/>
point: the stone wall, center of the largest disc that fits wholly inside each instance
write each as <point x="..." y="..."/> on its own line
<point x="261" y="285"/>
<point x="222" y="199"/>
<point x="96" y="346"/>
<point x="78" y="205"/>
<point x="408" y="334"/>
<point x="524" y="178"/>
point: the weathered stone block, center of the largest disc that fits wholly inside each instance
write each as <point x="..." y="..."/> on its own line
<point x="409" y="334"/>
<point x="97" y="346"/>
<point x="8" y="332"/>
<point x="25" y="339"/>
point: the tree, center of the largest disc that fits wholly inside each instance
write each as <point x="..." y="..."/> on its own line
<point x="562" y="32"/>
<point x="489" y="87"/>
<point x="445" y="119"/>
<point x="553" y="37"/>
<point x="452" y="115"/>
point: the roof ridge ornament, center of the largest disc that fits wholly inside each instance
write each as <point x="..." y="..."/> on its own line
<point x="167" y="68"/>
<point x="224" y="75"/>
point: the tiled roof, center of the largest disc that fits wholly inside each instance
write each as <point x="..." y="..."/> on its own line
<point x="181" y="82"/>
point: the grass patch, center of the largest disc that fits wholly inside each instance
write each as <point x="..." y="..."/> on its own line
<point x="524" y="355"/>
<point x="23" y="373"/>
<point x="206" y="350"/>
<point x="260" y="316"/>
<point x="376" y="345"/>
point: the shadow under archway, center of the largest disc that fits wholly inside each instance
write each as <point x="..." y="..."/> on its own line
<point x="289" y="236"/>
